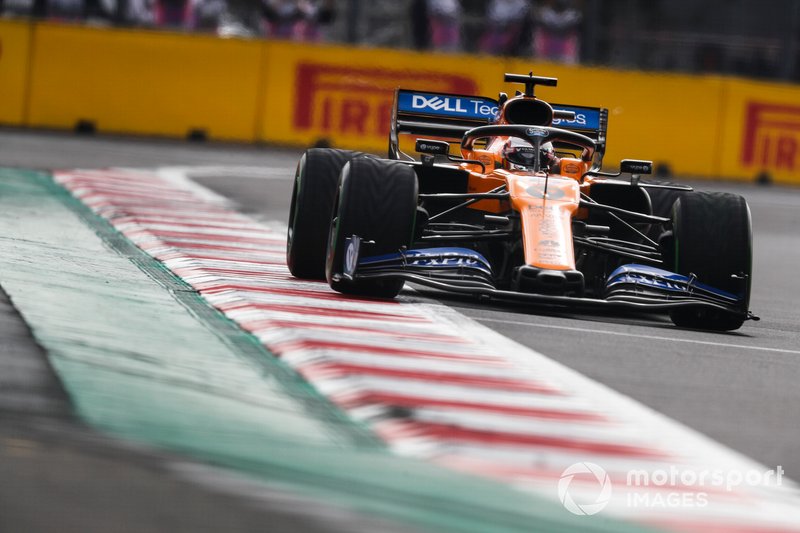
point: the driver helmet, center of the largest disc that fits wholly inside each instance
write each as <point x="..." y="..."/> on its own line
<point x="521" y="155"/>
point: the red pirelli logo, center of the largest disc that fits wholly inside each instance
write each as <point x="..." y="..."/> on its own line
<point x="771" y="136"/>
<point x="358" y="101"/>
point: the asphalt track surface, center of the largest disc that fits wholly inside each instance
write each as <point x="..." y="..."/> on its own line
<point x="739" y="388"/>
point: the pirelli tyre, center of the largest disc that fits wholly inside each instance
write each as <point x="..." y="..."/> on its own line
<point x="713" y="241"/>
<point x="376" y="201"/>
<point x="662" y="202"/>
<point x="310" y="213"/>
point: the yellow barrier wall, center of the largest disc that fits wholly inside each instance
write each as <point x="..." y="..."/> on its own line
<point x="345" y="94"/>
<point x="168" y="84"/>
<point x="144" y="82"/>
<point x="760" y="131"/>
<point x="15" y="39"/>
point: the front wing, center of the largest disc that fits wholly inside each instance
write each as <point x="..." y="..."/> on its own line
<point x="464" y="271"/>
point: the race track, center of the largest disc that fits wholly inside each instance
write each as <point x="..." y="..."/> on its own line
<point x="737" y="388"/>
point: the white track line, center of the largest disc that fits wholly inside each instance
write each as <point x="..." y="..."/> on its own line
<point x="637" y="336"/>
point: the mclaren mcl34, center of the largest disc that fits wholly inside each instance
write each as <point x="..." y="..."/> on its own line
<point x="507" y="201"/>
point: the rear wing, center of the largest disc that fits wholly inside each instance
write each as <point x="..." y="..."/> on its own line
<point x="450" y="116"/>
<point x="444" y="115"/>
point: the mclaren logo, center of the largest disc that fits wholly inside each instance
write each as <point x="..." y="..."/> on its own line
<point x="437" y="103"/>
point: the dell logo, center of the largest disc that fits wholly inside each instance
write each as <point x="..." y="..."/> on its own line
<point x="437" y="103"/>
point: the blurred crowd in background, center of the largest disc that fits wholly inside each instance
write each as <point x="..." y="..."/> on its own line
<point x="755" y="38"/>
<point x="279" y="19"/>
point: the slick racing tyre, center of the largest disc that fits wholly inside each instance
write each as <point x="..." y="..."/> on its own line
<point x="662" y="201"/>
<point x="713" y="240"/>
<point x="311" y="209"/>
<point x="377" y="201"/>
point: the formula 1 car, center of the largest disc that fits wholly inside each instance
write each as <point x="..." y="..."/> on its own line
<point x="523" y="212"/>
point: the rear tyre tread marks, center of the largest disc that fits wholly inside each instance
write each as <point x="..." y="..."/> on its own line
<point x="713" y="240"/>
<point x="313" y="197"/>
<point x="377" y="200"/>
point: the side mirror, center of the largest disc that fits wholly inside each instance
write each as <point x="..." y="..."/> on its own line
<point x="635" y="166"/>
<point x="426" y="146"/>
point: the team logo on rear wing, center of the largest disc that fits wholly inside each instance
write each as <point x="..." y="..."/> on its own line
<point x="450" y="106"/>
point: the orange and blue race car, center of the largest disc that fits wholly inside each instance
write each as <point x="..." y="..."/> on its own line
<point x="522" y="212"/>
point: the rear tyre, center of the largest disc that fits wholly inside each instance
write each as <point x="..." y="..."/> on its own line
<point x="662" y="202"/>
<point x="310" y="214"/>
<point x="377" y="200"/>
<point x="713" y="240"/>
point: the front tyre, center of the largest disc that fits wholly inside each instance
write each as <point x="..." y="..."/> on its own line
<point x="377" y="201"/>
<point x="314" y="192"/>
<point x="713" y="240"/>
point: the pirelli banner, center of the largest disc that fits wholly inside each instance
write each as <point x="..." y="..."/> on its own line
<point x="344" y="95"/>
<point x="760" y="131"/>
<point x="160" y="83"/>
